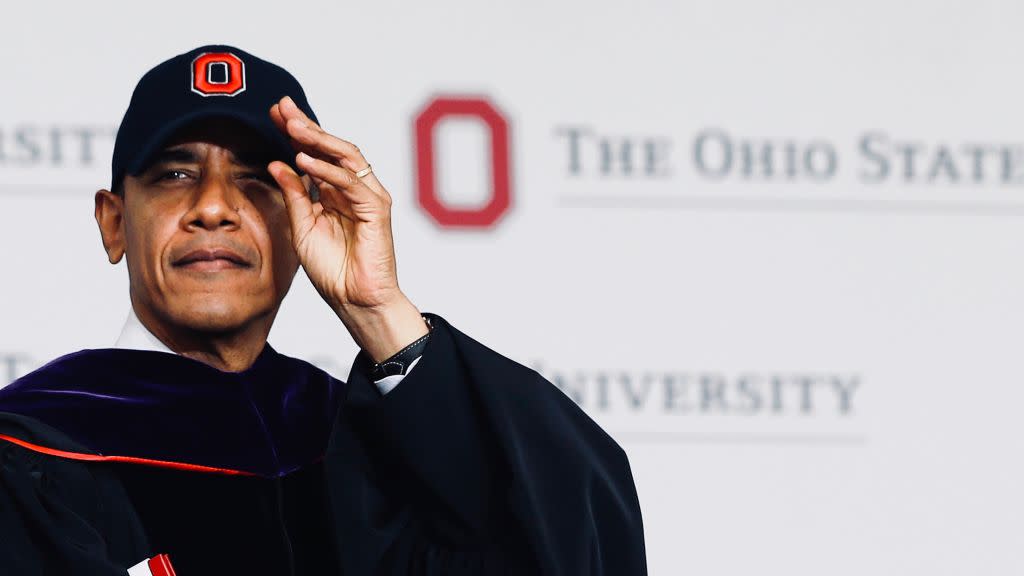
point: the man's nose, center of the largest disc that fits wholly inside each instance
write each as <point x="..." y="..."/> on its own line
<point x="215" y="204"/>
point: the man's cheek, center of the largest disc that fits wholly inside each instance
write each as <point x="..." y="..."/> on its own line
<point x="280" y="234"/>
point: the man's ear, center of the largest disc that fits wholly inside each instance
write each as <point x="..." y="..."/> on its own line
<point x="110" y="219"/>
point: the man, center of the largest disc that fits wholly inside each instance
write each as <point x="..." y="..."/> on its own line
<point x="193" y="443"/>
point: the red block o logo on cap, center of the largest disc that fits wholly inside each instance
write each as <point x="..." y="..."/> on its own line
<point x="218" y="74"/>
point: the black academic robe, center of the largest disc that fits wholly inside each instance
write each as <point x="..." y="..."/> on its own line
<point x="474" y="464"/>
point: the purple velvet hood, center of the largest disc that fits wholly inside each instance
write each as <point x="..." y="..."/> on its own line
<point x="268" y="420"/>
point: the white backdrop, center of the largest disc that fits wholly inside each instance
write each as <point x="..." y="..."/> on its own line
<point x="813" y="366"/>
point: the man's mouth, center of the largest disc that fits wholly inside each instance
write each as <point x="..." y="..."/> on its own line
<point x="211" y="259"/>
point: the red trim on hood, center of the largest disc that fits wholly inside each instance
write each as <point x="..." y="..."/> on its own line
<point x="125" y="459"/>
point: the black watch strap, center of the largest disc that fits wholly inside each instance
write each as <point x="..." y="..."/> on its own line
<point x="399" y="363"/>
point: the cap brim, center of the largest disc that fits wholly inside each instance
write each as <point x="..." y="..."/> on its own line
<point x="276" y="141"/>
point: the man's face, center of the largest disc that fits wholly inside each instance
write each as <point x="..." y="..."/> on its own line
<point x="205" y="233"/>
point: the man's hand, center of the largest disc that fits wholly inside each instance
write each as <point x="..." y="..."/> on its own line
<point x="344" y="240"/>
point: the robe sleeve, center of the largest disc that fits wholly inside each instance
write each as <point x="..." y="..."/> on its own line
<point x="478" y="465"/>
<point x="59" y="516"/>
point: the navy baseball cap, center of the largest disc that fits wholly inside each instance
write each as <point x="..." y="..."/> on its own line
<point x="213" y="81"/>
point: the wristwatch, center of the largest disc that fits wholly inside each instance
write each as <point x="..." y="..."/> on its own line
<point x="399" y="363"/>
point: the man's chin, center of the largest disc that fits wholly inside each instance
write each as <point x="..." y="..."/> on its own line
<point x="213" y="318"/>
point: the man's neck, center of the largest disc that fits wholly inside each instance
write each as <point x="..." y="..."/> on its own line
<point x="229" y="352"/>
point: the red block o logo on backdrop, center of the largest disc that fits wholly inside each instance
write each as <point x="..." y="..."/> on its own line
<point x="218" y="74"/>
<point x="500" y="193"/>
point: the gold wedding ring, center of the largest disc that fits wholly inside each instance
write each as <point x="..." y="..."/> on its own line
<point x="364" y="171"/>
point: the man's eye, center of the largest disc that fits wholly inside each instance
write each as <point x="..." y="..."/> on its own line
<point x="172" y="175"/>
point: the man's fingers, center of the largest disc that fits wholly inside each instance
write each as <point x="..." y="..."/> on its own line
<point x="310" y="138"/>
<point x="277" y="118"/>
<point x="296" y="199"/>
<point x="364" y="200"/>
<point x="309" y="134"/>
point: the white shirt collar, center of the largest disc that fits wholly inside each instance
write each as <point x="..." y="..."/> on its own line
<point x="135" y="336"/>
